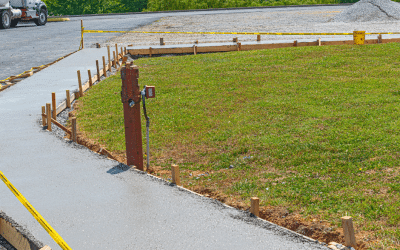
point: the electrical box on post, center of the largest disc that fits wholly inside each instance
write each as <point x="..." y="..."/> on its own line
<point x="150" y="91"/>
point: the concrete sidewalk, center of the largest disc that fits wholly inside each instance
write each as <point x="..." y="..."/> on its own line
<point x="95" y="203"/>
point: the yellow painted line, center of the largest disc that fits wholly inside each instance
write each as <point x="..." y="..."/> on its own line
<point x="217" y="33"/>
<point x="56" y="237"/>
<point x="238" y="33"/>
<point x="57" y="19"/>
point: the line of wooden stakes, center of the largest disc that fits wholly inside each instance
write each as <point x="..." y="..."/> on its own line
<point x="50" y="110"/>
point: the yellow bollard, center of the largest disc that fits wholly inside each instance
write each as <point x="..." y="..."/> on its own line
<point x="358" y="37"/>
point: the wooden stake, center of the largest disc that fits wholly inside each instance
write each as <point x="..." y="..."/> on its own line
<point x="239" y="46"/>
<point x="162" y="41"/>
<point x="196" y="42"/>
<point x="175" y="175"/>
<point x="48" y="114"/>
<point x="116" y="52"/>
<point x="258" y="38"/>
<point x="73" y="130"/>
<point x="104" y="67"/>
<point x="98" y="70"/>
<point x="348" y="230"/>
<point x="80" y="83"/>
<point x="109" y="55"/>
<point x="90" y="78"/>
<point x="124" y="50"/>
<point x="98" y="45"/>
<point x="43" y="116"/>
<point x="194" y="49"/>
<point x="82" y="34"/>
<point x="150" y="51"/>
<point x="295" y="43"/>
<point x="319" y="41"/>
<point x="68" y="99"/>
<point x="255" y="206"/>
<point x="379" y="38"/>
<point x="54" y="107"/>
<point x="235" y="40"/>
<point x="115" y="60"/>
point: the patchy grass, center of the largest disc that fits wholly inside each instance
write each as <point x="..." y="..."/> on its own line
<point x="314" y="130"/>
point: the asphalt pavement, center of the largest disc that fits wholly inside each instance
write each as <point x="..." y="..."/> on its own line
<point x="96" y="203"/>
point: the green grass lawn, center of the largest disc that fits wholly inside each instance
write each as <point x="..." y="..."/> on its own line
<point x="312" y="129"/>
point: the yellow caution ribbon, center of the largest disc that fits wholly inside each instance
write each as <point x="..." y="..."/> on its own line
<point x="237" y="33"/>
<point x="56" y="237"/>
<point x="217" y="33"/>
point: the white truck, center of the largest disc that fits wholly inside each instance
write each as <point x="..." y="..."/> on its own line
<point x="14" y="11"/>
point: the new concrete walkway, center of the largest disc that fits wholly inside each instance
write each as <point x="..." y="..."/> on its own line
<point x="94" y="204"/>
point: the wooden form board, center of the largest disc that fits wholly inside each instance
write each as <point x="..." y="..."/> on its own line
<point x="245" y="47"/>
<point x="15" y="238"/>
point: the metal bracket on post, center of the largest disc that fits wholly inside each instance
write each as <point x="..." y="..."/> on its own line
<point x="131" y="97"/>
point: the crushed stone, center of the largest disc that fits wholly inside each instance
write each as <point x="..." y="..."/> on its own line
<point x="370" y="11"/>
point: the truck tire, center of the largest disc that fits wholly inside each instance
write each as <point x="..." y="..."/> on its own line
<point x="42" y="20"/>
<point x="5" y="21"/>
<point x="14" y="22"/>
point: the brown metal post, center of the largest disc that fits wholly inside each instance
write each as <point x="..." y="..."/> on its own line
<point x="130" y="97"/>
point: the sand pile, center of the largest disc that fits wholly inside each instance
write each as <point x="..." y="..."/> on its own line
<point x="370" y="11"/>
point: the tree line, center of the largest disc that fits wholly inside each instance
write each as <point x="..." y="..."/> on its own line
<point x="74" y="7"/>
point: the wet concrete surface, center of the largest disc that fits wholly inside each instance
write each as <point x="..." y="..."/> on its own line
<point x="97" y="203"/>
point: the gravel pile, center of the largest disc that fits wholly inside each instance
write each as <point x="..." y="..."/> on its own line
<point x="370" y="11"/>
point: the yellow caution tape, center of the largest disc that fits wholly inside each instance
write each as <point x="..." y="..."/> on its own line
<point x="237" y="33"/>
<point x="217" y="33"/>
<point x="56" y="237"/>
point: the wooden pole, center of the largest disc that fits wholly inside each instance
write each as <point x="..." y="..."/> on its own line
<point x="90" y="78"/>
<point x="319" y="41"/>
<point x="258" y="38"/>
<point x="115" y="60"/>
<point x="104" y="67"/>
<point x="162" y="41"/>
<point x="116" y="52"/>
<point x="235" y="40"/>
<point x="73" y="130"/>
<point x="82" y="34"/>
<point x="295" y="43"/>
<point x="43" y="116"/>
<point x="48" y="114"/>
<point x="379" y="38"/>
<point x="54" y="107"/>
<point x="124" y="50"/>
<point x="150" y="51"/>
<point x="194" y="49"/>
<point x="175" y="175"/>
<point x="348" y="230"/>
<point x="109" y="55"/>
<point x="255" y="206"/>
<point x="239" y="46"/>
<point x="98" y="70"/>
<point x="98" y="45"/>
<point x="80" y="83"/>
<point x="68" y="99"/>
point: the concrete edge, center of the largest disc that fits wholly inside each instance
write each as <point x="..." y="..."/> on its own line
<point x="216" y="9"/>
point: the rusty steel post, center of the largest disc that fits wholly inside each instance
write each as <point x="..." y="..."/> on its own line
<point x="130" y="97"/>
